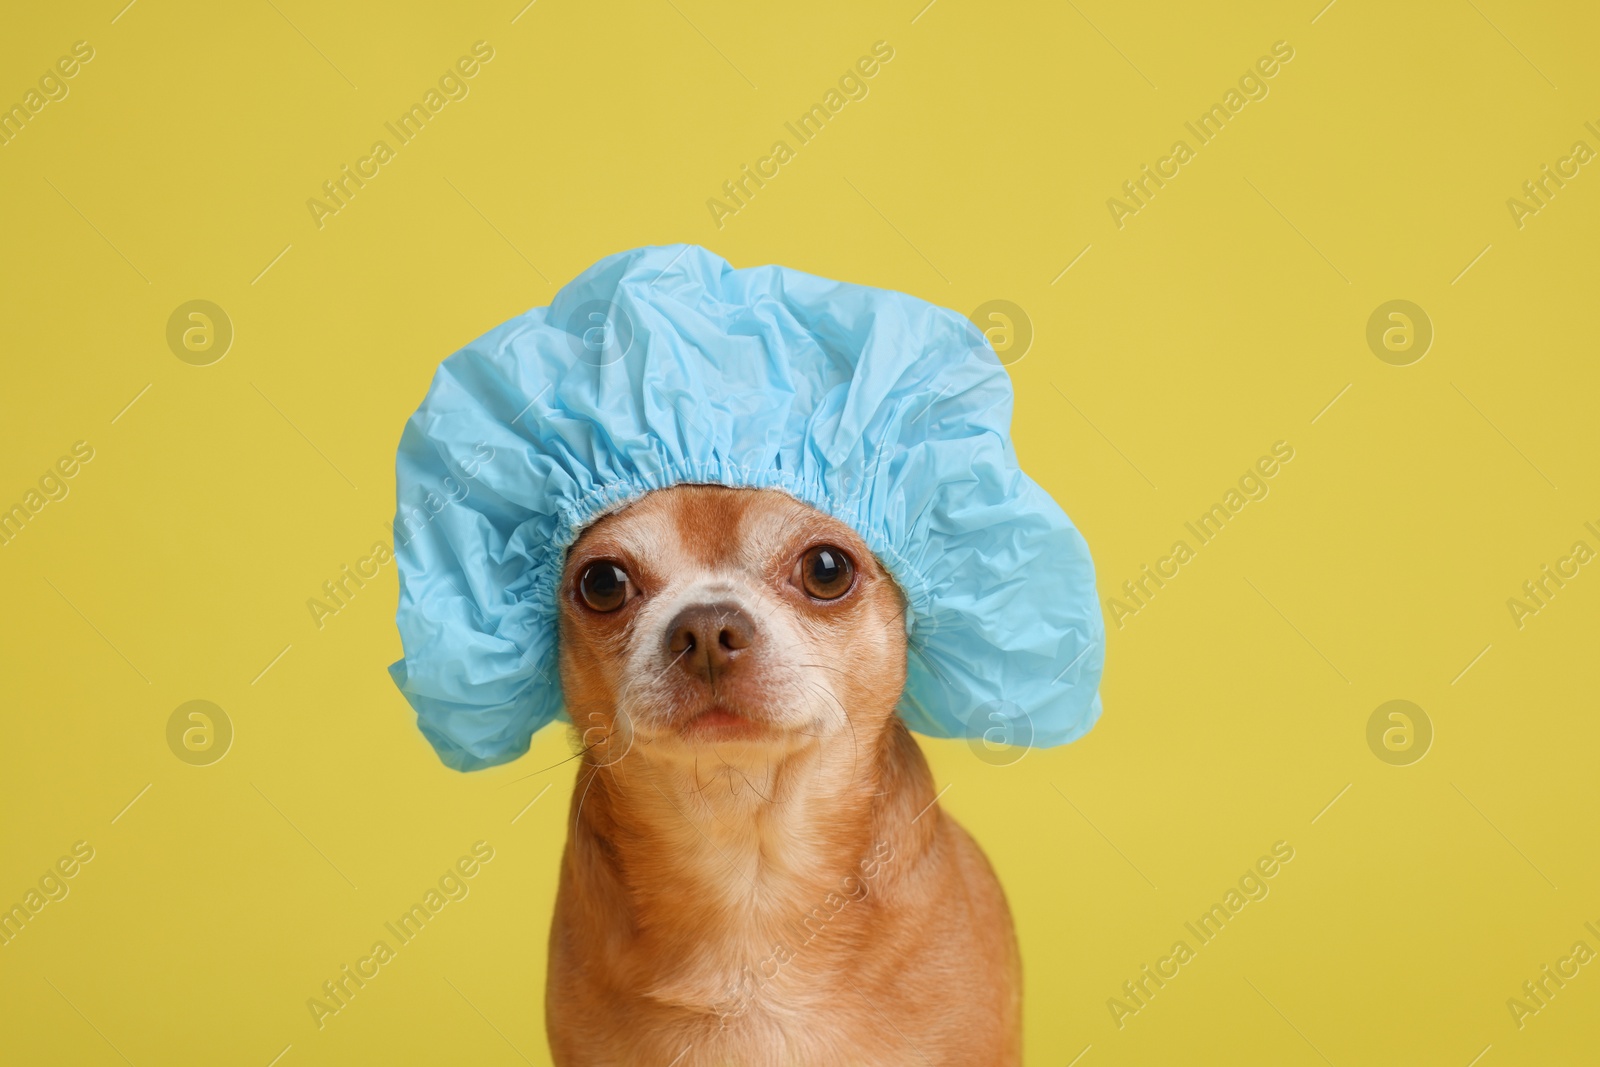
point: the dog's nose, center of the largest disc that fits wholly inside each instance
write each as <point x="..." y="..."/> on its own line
<point x="705" y="639"/>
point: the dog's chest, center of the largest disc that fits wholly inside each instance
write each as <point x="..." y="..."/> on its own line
<point x="780" y="944"/>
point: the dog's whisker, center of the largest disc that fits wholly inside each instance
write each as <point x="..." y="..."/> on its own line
<point x="578" y="816"/>
<point x="674" y="662"/>
<point x="746" y="777"/>
<point x="552" y="767"/>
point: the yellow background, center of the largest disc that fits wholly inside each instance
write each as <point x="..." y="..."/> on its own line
<point x="1225" y="316"/>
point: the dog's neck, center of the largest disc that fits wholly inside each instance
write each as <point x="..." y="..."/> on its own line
<point x="723" y="858"/>
<point x="751" y="821"/>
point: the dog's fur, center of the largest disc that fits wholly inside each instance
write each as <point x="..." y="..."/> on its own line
<point x="780" y="891"/>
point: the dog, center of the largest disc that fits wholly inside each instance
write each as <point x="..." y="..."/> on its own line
<point x="758" y="871"/>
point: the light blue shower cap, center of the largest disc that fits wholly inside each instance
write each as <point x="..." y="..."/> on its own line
<point x="662" y="366"/>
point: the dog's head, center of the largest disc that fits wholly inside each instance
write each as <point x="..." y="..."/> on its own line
<point x="739" y="619"/>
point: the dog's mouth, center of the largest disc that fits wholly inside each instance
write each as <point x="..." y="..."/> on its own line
<point x="721" y="723"/>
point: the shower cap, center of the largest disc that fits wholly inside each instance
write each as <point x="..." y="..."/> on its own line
<point x="663" y="366"/>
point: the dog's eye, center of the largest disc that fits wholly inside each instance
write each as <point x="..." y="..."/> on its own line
<point x="826" y="572"/>
<point x="604" y="586"/>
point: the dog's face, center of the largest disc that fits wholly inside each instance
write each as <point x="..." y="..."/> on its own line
<point x="735" y="619"/>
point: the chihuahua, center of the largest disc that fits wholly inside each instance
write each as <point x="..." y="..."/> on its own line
<point x="758" y="871"/>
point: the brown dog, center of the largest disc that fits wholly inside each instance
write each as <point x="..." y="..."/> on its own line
<point x="757" y="872"/>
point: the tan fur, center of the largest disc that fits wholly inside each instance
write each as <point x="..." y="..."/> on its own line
<point x="792" y="899"/>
